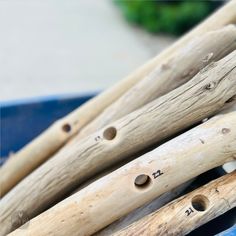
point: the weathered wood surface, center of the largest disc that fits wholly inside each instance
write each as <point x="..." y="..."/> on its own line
<point x="208" y="145"/>
<point x="204" y="95"/>
<point x="50" y="141"/>
<point x="230" y="166"/>
<point x="143" y="211"/>
<point x="189" y="212"/>
<point x="160" y="201"/>
<point x="177" y="70"/>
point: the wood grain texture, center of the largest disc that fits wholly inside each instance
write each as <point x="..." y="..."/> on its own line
<point x="50" y="141"/>
<point x="175" y="71"/>
<point x="201" y="97"/>
<point x="143" y="211"/>
<point x="189" y="212"/>
<point x="209" y="145"/>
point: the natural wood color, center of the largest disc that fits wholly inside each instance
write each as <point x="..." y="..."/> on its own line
<point x="209" y="145"/>
<point x="143" y="211"/>
<point x="201" y="97"/>
<point x="51" y="140"/>
<point x="177" y="70"/>
<point x="180" y="217"/>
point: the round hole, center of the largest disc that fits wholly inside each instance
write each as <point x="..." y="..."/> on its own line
<point x="109" y="133"/>
<point x="142" y="181"/>
<point x="66" y="128"/>
<point x="200" y="203"/>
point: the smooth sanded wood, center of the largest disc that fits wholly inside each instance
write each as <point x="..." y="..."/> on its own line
<point x="50" y="141"/>
<point x="188" y="212"/>
<point x="201" y="97"/>
<point x="177" y="70"/>
<point x="202" y="148"/>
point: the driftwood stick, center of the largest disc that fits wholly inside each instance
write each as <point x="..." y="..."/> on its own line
<point x="208" y="145"/>
<point x="201" y="97"/>
<point x="163" y="199"/>
<point x="177" y="70"/>
<point x="142" y="211"/>
<point x="50" y="141"/>
<point x="188" y="212"/>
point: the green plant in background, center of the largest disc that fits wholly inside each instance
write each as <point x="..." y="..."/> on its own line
<point x="174" y="17"/>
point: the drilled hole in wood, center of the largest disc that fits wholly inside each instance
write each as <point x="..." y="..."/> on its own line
<point x="200" y="203"/>
<point x="142" y="181"/>
<point x="66" y="128"/>
<point x="110" y="133"/>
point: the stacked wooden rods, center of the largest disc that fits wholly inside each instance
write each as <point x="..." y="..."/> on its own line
<point x="188" y="212"/>
<point x="144" y="210"/>
<point x="202" y="148"/>
<point x="50" y="141"/>
<point x="172" y="73"/>
<point x="164" y="198"/>
<point x="205" y="94"/>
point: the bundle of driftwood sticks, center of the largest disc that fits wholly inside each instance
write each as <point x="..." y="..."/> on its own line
<point x="136" y="146"/>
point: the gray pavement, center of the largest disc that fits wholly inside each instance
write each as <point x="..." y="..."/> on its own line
<point x="50" y="47"/>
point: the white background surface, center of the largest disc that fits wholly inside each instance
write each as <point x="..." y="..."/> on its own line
<point x="50" y="47"/>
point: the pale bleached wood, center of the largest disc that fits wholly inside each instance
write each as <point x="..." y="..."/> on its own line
<point x="180" y="217"/>
<point x="209" y="145"/>
<point x="163" y="199"/>
<point x="204" y="95"/>
<point x="51" y="140"/>
<point x="177" y="70"/>
<point x="142" y="211"/>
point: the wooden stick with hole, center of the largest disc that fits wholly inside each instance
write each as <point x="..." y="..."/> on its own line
<point x="202" y="148"/>
<point x="201" y="97"/>
<point x="160" y="201"/>
<point x="143" y="211"/>
<point x="177" y="70"/>
<point x="188" y="212"/>
<point x="157" y="202"/>
<point x="51" y="140"/>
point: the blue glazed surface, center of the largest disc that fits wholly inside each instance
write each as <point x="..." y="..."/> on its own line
<point x="23" y="120"/>
<point x="229" y="232"/>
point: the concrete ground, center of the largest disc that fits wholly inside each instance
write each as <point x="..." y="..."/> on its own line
<point x="51" y="47"/>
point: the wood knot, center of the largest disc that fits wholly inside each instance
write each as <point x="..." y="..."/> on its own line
<point x="19" y="218"/>
<point x="208" y="57"/>
<point x="165" y="66"/>
<point x="210" y="86"/>
<point x="225" y="131"/>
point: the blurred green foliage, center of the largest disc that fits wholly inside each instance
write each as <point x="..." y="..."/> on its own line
<point x="174" y="17"/>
